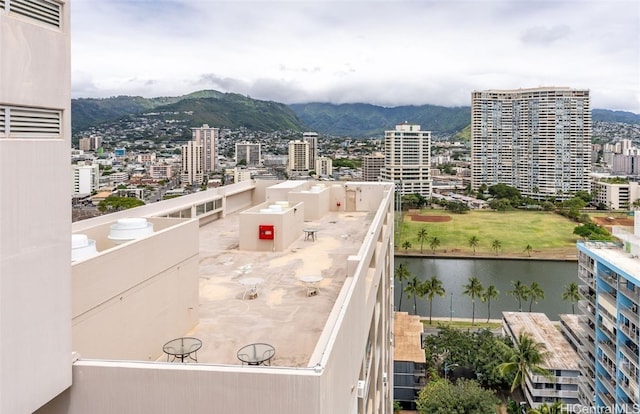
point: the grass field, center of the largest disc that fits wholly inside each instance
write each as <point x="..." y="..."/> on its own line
<point x="546" y="232"/>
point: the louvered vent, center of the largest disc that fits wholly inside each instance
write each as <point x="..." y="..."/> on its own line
<point x="22" y="122"/>
<point x="2" y="118"/>
<point x="1" y="4"/>
<point x="45" y="11"/>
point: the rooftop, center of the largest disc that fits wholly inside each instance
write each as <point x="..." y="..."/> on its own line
<point x="282" y="314"/>
<point x="561" y="355"/>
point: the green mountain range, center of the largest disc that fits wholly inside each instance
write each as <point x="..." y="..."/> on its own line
<point x="230" y="110"/>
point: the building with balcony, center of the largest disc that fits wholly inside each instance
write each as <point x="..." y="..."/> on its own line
<point x="537" y="140"/>
<point x="371" y="166"/>
<point x="409" y="359"/>
<point x="192" y="171"/>
<point x="610" y="273"/>
<point x="561" y="362"/>
<point x="207" y="138"/>
<point x="312" y="139"/>
<point x="249" y="152"/>
<point x="615" y="192"/>
<point x="407" y="159"/>
<point x="86" y="178"/>
<point x="299" y="157"/>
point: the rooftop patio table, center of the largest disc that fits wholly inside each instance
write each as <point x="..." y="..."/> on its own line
<point x="256" y="354"/>
<point x="181" y="348"/>
<point x="311" y="282"/>
<point x="310" y="234"/>
<point x="251" y="286"/>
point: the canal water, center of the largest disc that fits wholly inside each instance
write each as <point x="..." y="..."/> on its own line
<point x="552" y="276"/>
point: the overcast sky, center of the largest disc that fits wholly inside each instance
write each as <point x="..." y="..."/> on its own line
<point x="386" y="53"/>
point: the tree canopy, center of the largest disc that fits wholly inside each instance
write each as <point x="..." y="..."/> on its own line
<point x="465" y="396"/>
<point x="114" y="203"/>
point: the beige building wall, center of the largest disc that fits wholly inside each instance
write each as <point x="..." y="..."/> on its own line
<point x="316" y="201"/>
<point x="287" y="225"/>
<point x="35" y="251"/>
<point x="131" y="297"/>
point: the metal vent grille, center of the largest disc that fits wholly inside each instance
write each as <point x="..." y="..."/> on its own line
<point x="1" y="4"/>
<point x="45" y="11"/>
<point x="24" y="122"/>
<point x="2" y="119"/>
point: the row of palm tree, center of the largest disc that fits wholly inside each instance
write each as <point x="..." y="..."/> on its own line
<point x="474" y="242"/>
<point x="433" y="287"/>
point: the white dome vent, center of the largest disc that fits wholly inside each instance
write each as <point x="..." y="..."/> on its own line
<point x="127" y="229"/>
<point x="82" y="247"/>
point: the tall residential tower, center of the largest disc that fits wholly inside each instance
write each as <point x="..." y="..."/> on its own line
<point x="407" y="159"/>
<point x="537" y="140"/>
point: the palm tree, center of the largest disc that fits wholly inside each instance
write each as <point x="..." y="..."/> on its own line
<point x="473" y="243"/>
<point x="402" y="273"/>
<point x="528" y="249"/>
<point x="422" y="236"/>
<point x="490" y="293"/>
<point x="414" y="288"/>
<point x="474" y="290"/>
<point x="535" y="293"/>
<point x="430" y="288"/>
<point x="524" y="359"/>
<point x="406" y="245"/>
<point x="572" y="294"/>
<point x="520" y="292"/>
<point x="435" y="242"/>
<point x="496" y="245"/>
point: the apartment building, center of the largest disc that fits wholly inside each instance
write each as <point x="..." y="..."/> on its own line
<point x="192" y="171"/>
<point x="86" y="178"/>
<point x="324" y="166"/>
<point x="207" y="138"/>
<point x="299" y="157"/>
<point x="409" y="359"/>
<point x="561" y="362"/>
<point x="615" y="194"/>
<point x="371" y="167"/>
<point x="611" y="291"/>
<point x="312" y="139"/>
<point x="249" y="152"/>
<point x="35" y="130"/>
<point x="407" y="160"/>
<point x="537" y="140"/>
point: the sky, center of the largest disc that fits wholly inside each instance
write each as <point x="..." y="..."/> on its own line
<point x="388" y="53"/>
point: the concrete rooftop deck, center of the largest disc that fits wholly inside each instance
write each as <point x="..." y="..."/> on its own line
<point x="560" y="354"/>
<point x="282" y="314"/>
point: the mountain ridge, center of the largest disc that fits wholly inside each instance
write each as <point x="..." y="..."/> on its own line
<point x="232" y="110"/>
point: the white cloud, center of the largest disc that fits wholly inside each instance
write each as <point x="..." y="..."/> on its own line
<point x="383" y="52"/>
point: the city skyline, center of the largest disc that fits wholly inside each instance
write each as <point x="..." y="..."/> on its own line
<point x="345" y="51"/>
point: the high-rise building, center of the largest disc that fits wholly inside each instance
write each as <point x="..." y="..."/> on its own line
<point x="324" y="166"/>
<point x="611" y="297"/>
<point x="298" y="156"/>
<point x="371" y="167"/>
<point x="250" y="152"/>
<point x="537" y="140"/>
<point x="86" y="178"/>
<point x="312" y="139"/>
<point x="35" y="245"/>
<point x="192" y="171"/>
<point x="407" y="159"/>
<point x="207" y="138"/>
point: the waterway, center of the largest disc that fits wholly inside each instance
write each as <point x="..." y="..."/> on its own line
<point x="552" y="276"/>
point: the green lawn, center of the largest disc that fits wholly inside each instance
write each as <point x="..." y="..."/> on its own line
<point x="546" y="232"/>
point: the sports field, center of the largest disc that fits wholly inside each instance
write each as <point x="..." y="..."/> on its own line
<point x="548" y="234"/>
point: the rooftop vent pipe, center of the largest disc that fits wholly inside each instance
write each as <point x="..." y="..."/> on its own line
<point x="127" y="229"/>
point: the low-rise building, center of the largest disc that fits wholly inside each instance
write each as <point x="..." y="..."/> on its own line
<point x="561" y="361"/>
